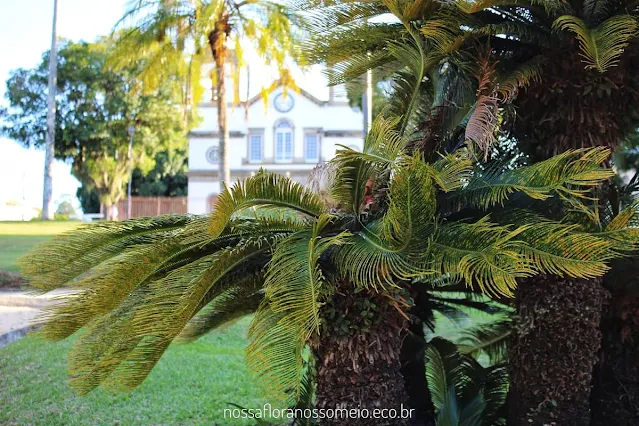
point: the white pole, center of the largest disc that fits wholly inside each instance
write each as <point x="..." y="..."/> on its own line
<point x="369" y="99"/>
<point x="47" y="196"/>
<point x="128" y="191"/>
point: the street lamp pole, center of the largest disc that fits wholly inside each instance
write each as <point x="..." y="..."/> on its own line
<point x="131" y="131"/>
<point x="49" y="152"/>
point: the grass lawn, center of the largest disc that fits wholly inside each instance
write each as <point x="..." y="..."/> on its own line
<point x="16" y="238"/>
<point x="191" y="385"/>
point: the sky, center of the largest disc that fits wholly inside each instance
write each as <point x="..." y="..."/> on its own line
<point x="25" y="34"/>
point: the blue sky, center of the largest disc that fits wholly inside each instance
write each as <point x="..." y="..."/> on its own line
<point x="25" y="33"/>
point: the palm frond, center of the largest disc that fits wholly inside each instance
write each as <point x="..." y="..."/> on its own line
<point x="564" y="249"/>
<point x="602" y="46"/>
<point x="483" y="254"/>
<point x="367" y="260"/>
<point x="228" y="307"/>
<point x="572" y="174"/>
<point x="263" y="190"/>
<point x="69" y="255"/>
<point x="295" y="290"/>
<point x="121" y="347"/>
<point x="490" y="339"/>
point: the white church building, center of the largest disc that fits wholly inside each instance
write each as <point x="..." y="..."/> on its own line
<point x="291" y="135"/>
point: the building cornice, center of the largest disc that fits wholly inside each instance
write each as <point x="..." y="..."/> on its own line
<point x="238" y="134"/>
<point x="204" y="134"/>
<point x="244" y="173"/>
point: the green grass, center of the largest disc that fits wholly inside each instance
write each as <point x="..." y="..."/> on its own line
<point x="191" y="385"/>
<point x="17" y="238"/>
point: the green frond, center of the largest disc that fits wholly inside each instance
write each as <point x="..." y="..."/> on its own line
<point x="571" y="174"/>
<point x="382" y="147"/>
<point x="295" y="289"/>
<point x="563" y="249"/>
<point x="104" y="288"/>
<point x="275" y="355"/>
<point x="263" y="190"/>
<point x="483" y="254"/>
<point x="464" y="392"/>
<point x="294" y="282"/>
<point x="356" y="65"/>
<point x="306" y="398"/>
<point x="121" y="347"/>
<point x="230" y="306"/>
<point x="411" y="206"/>
<point x="440" y="365"/>
<point x="452" y="171"/>
<point x="368" y="261"/>
<point x="622" y="231"/>
<point x="413" y="54"/>
<point x="57" y="262"/>
<point x="467" y="301"/>
<point x="602" y="46"/>
<point x="595" y="9"/>
<point x="490" y="339"/>
<point x="522" y="76"/>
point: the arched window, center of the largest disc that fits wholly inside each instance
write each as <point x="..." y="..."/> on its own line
<point x="283" y="142"/>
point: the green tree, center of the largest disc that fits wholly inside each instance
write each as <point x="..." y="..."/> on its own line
<point x="333" y="277"/>
<point x="174" y="36"/>
<point x="167" y="179"/>
<point x="554" y="75"/>
<point x="95" y="106"/>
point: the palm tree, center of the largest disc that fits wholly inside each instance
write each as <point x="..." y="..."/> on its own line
<point x="172" y="35"/>
<point x="554" y="75"/>
<point x="333" y="277"/>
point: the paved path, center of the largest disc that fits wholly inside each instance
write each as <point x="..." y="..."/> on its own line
<point x="16" y="317"/>
<point x="19" y="309"/>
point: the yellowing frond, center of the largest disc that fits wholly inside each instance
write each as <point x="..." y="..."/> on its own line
<point x="602" y="46"/>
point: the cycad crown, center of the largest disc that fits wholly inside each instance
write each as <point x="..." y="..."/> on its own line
<point x="273" y="247"/>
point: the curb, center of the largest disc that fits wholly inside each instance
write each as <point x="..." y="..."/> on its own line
<point x="14" y="335"/>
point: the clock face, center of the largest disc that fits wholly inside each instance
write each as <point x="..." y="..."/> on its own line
<point x="283" y="103"/>
<point x="211" y="155"/>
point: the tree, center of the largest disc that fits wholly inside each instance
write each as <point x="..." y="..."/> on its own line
<point x="167" y="179"/>
<point x="65" y="208"/>
<point x="555" y="75"/>
<point x="168" y="32"/>
<point x="95" y="106"/>
<point x="334" y="278"/>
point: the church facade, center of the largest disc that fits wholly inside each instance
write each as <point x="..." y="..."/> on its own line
<point x="290" y="134"/>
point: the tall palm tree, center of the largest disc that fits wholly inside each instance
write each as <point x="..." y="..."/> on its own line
<point x="332" y="277"/>
<point x="556" y="75"/>
<point x="173" y="36"/>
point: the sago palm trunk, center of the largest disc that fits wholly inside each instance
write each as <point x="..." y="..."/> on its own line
<point x="615" y="395"/>
<point x="358" y="365"/>
<point x="553" y="350"/>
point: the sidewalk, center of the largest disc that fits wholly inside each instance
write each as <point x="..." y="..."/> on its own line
<point x="18" y="310"/>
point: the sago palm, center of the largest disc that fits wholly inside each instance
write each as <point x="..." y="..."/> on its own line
<point x="333" y="277"/>
<point x="173" y="36"/>
<point x="555" y="75"/>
